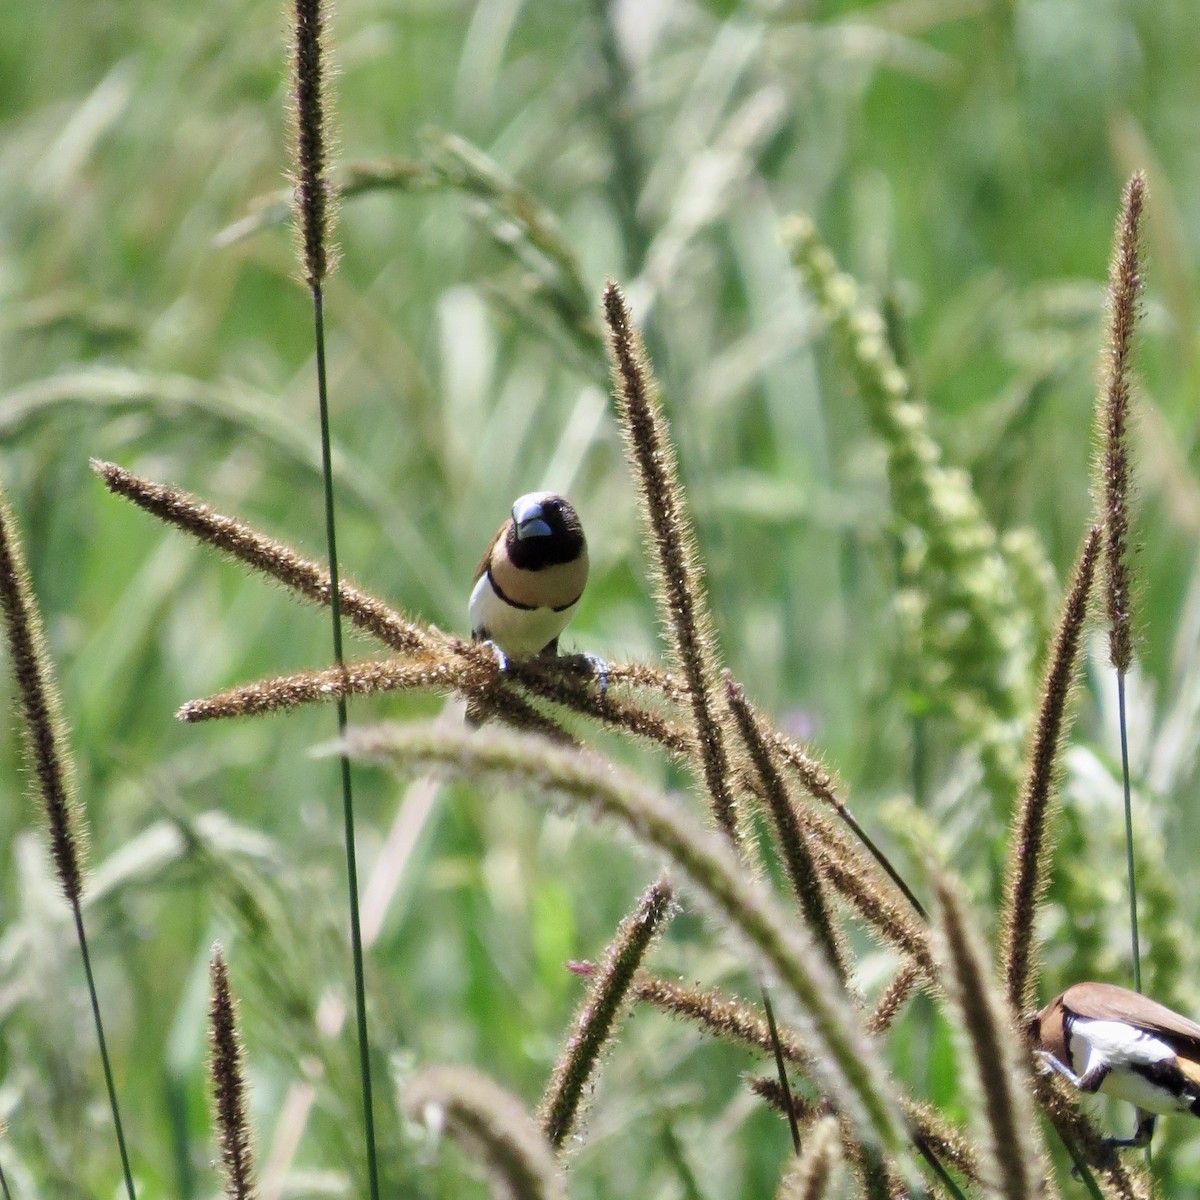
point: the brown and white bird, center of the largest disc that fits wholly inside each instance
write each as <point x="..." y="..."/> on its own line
<point x="530" y="579"/>
<point x="1107" y="1039"/>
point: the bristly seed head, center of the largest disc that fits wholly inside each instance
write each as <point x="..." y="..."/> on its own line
<point x="1124" y="291"/>
<point x="598" y="1015"/>
<point x="678" y="576"/>
<point x="313" y="194"/>
<point x="42" y="719"/>
<point x="228" y="1083"/>
<point x="1028" y="841"/>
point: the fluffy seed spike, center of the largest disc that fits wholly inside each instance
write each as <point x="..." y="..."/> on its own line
<point x="995" y="1055"/>
<point x="678" y="575"/>
<point x="307" y="579"/>
<point x="598" y="1015"/>
<point x="893" y="998"/>
<point x="810" y="1176"/>
<point x="228" y="1084"/>
<point x="313" y="196"/>
<point x="490" y="1123"/>
<point x="41" y="709"/>
<point x="1124" y="291"/>
<point x="1026" y="871"/>
<point x="789" y="834"/>
<point x="849" y="1064"/>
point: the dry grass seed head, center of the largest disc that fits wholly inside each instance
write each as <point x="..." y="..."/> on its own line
<point x="811" y="1176"/>
<point x="491" y="1124"/>
<point x="314" y="197"/>
<point x="41" y="711"/>
<point x="997" y="1060"/>
<point x="597" y="1017"/>
<point x="677" y="573"/>
<point x="305" y="578"/>
<point x="1028" y="842"/>
<point x="1112" y="418"/>
<point x="228" y="1084"/>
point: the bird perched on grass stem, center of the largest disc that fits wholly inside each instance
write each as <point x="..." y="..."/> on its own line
<point x="530" y="579"/>
<point x="1107" y="1039"/>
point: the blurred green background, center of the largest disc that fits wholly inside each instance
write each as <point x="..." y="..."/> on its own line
<point x="963" y="158"/>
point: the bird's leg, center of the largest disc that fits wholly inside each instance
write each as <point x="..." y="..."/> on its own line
<point x="598" y="665"/>
<point x="600" y="670"/>
<point x="1088" y="1082"/>
<point x="501" y="657"/>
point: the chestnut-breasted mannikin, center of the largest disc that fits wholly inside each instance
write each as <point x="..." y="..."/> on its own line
<point x="530" y="579"/>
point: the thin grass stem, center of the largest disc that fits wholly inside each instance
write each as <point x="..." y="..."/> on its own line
<point x="101" y="1041"/>
<point x="313" y="223"/>
<point x="4" y="1186"/>
<point x="335" y="610"/>
<point x="781" y="1070"/>
<point x="1129" y="862"/>
<point x="688" y="1182"/>
<point x="51" y="765"/>
<point x="935" y="1165"/>
<point x="1081" y="1167"/>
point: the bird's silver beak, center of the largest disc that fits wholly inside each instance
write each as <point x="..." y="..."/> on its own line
<point x="528" y="518"/>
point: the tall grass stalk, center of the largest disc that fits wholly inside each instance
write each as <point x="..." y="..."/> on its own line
<point x="53" y="769"/>
<point x="679" y="579"/>
<point x="1124" y="289"/>
<point x="313" y="220"/>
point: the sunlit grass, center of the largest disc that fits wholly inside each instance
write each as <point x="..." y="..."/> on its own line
<point x="962" y="162"/>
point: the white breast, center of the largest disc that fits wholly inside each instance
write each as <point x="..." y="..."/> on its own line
<point x="1122" y="1047"/>
<point x="519" y="632"/>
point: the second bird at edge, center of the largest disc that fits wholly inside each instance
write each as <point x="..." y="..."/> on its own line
<point x="1107" y="1039"/>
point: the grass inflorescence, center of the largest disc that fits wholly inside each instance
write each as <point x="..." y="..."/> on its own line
<point x="778" y="885"/>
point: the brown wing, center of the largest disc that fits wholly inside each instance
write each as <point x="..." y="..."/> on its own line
<point x="1107" y="1002"/>
<point x="487" y="554"/>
